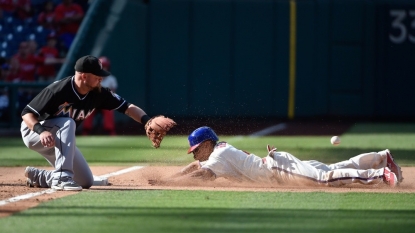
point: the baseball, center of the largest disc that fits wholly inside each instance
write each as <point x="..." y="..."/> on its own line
<point x="335" y="140"/>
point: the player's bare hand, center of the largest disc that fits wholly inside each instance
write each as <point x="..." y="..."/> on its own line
<point x="47" y="139"/>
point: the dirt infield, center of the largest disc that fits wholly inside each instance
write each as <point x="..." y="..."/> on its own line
<point x="12" y="180"/>
<point x="12" y="184"/>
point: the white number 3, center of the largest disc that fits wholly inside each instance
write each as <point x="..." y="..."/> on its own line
<point x="411" y="37"/>
<point x="398" y="23"/>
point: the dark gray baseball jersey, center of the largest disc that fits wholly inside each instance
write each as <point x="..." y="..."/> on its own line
<point x="60" y="99"/>
<point x="56" y="106"/>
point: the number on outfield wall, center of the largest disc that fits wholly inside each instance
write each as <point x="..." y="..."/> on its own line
<point x="412" y="14"/>
<point x="401" y="33"/>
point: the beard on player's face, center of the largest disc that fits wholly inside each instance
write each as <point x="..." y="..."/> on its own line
<point x="94" y="89"/>
<point x="97" y="88"/>
<point x="91" y="80"/>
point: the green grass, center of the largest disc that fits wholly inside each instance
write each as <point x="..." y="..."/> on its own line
<point x="208" y="211"/>
<point x="137" y="149"/>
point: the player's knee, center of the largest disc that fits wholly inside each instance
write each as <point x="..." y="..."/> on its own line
<point x="70" y="125"/>
<point x="87" y="183"/>
<point x="87" y="186"/>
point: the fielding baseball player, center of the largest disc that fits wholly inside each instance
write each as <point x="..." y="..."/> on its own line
<point x="50" y="121"/>
<point x="108" y="122"/>
<point x="219" y="159"/>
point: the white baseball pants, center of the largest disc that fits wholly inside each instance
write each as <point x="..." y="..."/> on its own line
<point x="365" y="168"/>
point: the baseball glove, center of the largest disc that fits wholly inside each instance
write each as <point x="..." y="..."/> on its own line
<point x="157" y="127"/>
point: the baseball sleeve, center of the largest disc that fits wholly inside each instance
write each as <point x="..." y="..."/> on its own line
<point x="217" y="164"/>
<point x="41" y="104"/>
<point x="112" y="101"/>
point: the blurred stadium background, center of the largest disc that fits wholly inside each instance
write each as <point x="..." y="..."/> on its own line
<point x="274" y="59"/>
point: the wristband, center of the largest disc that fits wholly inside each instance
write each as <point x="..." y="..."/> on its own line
<point x="38" y="128"/>
<point x="144" y="119"/>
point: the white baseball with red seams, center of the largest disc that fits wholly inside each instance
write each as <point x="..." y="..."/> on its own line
<point x="335" y="140"/>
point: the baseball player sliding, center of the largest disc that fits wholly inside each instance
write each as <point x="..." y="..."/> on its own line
<point x="219" y="159"/>
<point x="51" y="118"/>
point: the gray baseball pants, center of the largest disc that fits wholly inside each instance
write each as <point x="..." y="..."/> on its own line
<point x="65" y="157"/>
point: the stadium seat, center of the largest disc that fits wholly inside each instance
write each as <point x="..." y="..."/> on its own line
<point x="4" y="54"/>
<point x="29" y="22"/>
<point x="5" y="28"/>
<point x="31" y="36"/>
<point x="9" y="36"/>
<point x="39" y="29"/>
<point x="4" y="45"/>
<point x="18" y="29"/>
<point x="9" y="20"/>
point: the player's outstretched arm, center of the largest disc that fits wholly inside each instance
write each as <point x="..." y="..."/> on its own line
<point x="193" y="166"/>
<point x="195" y="176"/>
<point x="135" y="113"/>
<point x="203" y="174"/>
<point x="190" y="168"/>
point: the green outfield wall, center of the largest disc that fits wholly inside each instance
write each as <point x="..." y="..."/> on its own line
<point x="258" y="58"/>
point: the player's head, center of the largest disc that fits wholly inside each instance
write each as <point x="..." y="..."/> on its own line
<point x="51" y="39"/>
<point x="91" y="64"/>
<point x="106" y="63"/>
<point x="200" y="135"/>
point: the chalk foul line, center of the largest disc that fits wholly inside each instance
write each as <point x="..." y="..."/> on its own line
<point x="48" y="191"/>
<point x="25" y="196"/>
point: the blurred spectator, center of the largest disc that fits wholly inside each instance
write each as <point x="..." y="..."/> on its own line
<point x="46" y="17"/>
<point x="4" y="69"/>
<point x="50" y="55"/>
<point x="7" y="6"/>
<point x="32" y="44"/>
<point x="68" y="16"/>
<point x="23" y="64"/>
<point x="107" y="116"/>
<point x="4" y="104"/>
<point x="21" y="9"/>
<point x="24" y="96"/>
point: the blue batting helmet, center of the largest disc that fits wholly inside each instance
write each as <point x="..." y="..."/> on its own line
<point x="200" y="135"/>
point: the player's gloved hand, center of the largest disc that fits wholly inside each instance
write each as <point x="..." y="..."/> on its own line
<point x="157" y="127"/>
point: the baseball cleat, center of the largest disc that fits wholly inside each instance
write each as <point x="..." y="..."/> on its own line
<point x="389" y="177"/>
<point x="66" y="184"/>
<point x="393" y="166"/>
<point x="26" y="171"/>
<point x="29" y="182"/>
